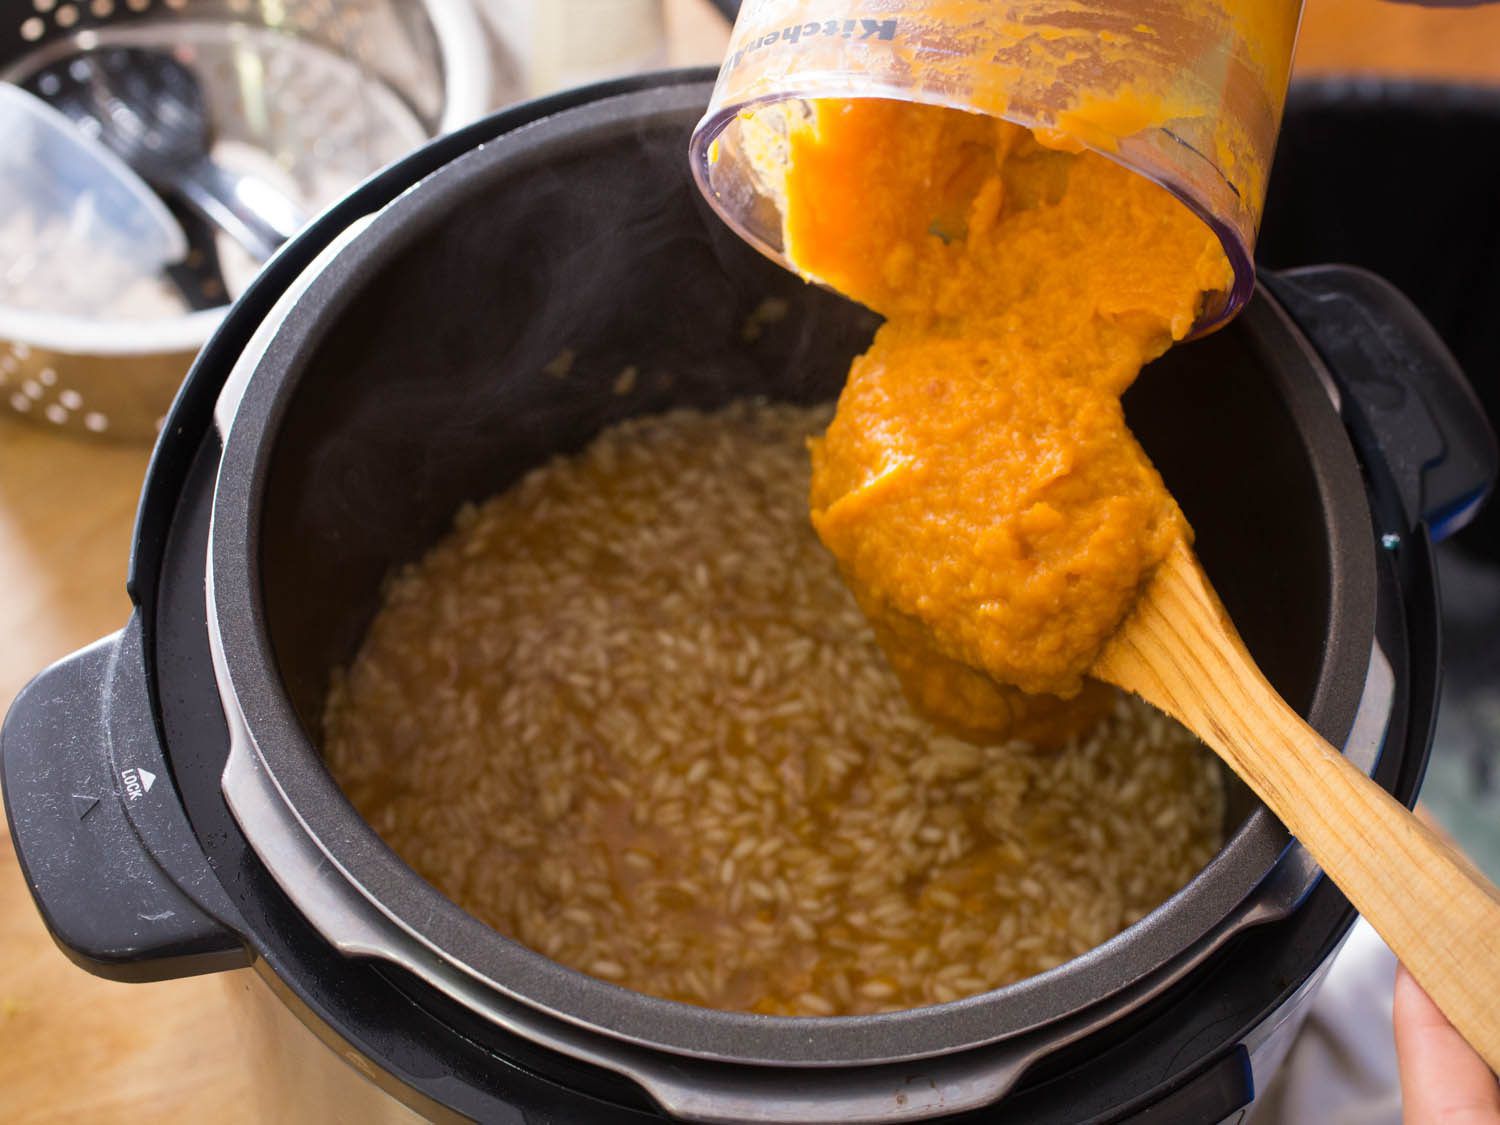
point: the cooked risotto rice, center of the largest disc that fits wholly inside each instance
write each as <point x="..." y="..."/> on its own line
<point x="627" y="714"/>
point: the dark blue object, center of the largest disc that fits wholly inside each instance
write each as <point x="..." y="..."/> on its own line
<point x="1428" y="222"/>
<point x="1406" y="398"/>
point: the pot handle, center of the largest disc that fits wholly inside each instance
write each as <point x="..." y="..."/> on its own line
<point x="100" y="832"/>
<point x="1403" y="394"/>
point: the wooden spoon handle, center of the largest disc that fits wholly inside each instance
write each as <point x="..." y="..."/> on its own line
<point x="1440" y="916"/>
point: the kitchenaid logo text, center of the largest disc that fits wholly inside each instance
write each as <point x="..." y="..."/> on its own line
<point x="829" y="29"/>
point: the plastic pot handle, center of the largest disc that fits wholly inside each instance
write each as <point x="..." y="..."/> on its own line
<point x="1404" y="395"/>
<point x="100" y="832"/>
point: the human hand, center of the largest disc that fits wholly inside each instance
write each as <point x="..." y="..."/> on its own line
<point x="1443" y="1080"/>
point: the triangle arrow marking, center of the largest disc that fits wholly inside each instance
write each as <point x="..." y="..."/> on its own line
<point x="148" y="779"/>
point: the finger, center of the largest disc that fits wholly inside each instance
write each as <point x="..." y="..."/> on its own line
<point x="1442" y="1079"/>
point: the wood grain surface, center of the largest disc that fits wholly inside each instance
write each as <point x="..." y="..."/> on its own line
<point x="1181" y="653"/>
<point x="73" y="1047"/>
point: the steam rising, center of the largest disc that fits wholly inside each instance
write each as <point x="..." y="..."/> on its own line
<point x="437" y="375"/>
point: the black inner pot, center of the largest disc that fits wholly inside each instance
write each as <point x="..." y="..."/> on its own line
<point x="410" y="379"/>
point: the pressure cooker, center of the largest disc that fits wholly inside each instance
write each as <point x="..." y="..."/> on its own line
<point x="164" y="786"/>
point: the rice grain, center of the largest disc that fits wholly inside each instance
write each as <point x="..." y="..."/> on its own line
<point x="627" y="714"/>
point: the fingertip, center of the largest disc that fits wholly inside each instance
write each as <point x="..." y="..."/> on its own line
<point x="1442" y="1078"/>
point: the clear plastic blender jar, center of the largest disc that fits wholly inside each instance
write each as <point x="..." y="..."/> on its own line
<point x="1186" y="92"/>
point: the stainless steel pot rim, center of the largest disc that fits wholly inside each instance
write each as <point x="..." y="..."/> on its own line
<point x="455" y="27"/>
<point x="351" y="852"/>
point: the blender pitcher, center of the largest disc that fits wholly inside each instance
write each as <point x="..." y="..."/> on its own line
<point x="1186" y="92"/>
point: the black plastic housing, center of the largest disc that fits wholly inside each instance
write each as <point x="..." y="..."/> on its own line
<point x="151" y="689"/>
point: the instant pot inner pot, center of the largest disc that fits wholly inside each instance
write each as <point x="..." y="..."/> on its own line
<point x="433" y="378"/>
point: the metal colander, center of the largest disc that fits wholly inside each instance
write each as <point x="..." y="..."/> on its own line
<point x="310" y="97"/>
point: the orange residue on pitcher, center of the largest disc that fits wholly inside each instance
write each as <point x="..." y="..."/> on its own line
<point x="1188" y="90"/>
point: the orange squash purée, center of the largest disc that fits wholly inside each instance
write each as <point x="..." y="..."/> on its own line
<point x="985" y="500"/>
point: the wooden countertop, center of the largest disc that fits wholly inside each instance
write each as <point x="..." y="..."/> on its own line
<point x="76" y="1047"/>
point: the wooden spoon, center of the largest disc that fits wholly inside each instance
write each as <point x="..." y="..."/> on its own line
<point x="1179" y="651"/>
